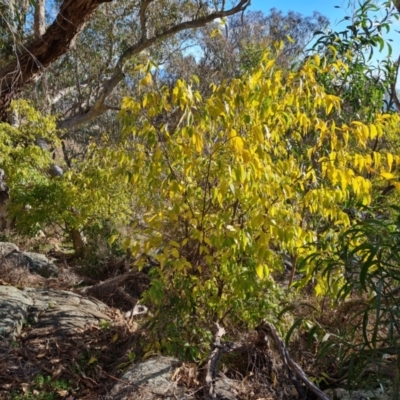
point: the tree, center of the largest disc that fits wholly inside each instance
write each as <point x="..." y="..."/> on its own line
<point x="257" y="170"/>
<point x="367" y="86"/>
<point x="33" y="58"/>
<point x="226" y="51"/>
<point x="89" y="92"/>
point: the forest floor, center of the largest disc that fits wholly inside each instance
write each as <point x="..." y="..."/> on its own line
<point x="87" y="364"/>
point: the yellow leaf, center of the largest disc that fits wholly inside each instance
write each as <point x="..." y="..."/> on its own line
<point x="112" y="239"/>
<point x="246" y="156"/>
<point x="237" y="143"/>
<point x="389" y="161"/>
<point x="147" y="80"/>
<point x="115" y="338"/>
<point x="240" y="173"/>
<point x="365" y="131"/>
<point x="92" y="360"/>
<point x="373" y="131"/>
<point x="258" y="133"/>
<point x="175" y="252"/>
<point x="197" y="140"/>
<point x="215" y="32"/>
<point x="210" y="260"/>
<point x="388" y="175"/>
<point x="232" y="133"/>
<point x="290" y="39"/>
<point x="318" y="290"/>
<point x="260" y="271"/>
<point x="269" y="64"/>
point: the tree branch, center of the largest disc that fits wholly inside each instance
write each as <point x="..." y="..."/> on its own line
<point x="33" y="58"/>
<point x="99" y="107"/>
<point x="295" y="371"/>
<point x="393" y="94"/>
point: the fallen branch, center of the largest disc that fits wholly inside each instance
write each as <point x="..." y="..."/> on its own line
<point x="218" y="349"/>
<point x="295" y="371"/>
<point x="212" y="363"/>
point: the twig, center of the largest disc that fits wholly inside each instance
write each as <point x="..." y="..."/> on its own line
<point x="115" y="378"/>
<point x="212" y="363"/>
<point x="218" y="349"/>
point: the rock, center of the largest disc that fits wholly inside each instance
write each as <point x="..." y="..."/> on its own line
<point x="14" y="305"/>
<point x="55" y="170"/>
<point x="37" y="263"/>
<point x="40" y="264"/>
<point x="149" y="379"/>
<point x="7" y="248"/>
<point x="224" y="387"/>
<point x="343" y="394"/>
<point x="60" y="311"/>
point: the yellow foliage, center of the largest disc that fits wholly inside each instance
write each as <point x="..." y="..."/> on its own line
<point x="264" y="163"/>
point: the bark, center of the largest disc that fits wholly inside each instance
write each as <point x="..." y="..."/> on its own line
<point x="46" y="49"/>
<point x="77" y="242"/>
<point x="39" y="18"/>
<point x="4" y="198"/>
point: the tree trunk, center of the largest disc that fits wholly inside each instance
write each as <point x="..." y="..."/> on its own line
<point x="39" y="18"/>
<point x="5" y="222"/>
<point x="77" y="242"/>
<point x="44" y="50"/>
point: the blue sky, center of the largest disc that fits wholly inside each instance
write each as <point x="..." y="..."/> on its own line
<point x="327" y="8"/>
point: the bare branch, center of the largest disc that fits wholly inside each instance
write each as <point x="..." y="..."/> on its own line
<point x="183" y="26"/>
<point x="295" y="371"/>
<point x="99" y="107"/>
<point x="213" y="361"/>
<point x="143" y="20"/>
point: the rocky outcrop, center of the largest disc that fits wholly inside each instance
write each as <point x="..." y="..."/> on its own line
<point x="35" y="262"/>
<point x="60" y="312"/>
<point x="148" y="380"/>
<point x="64" y="327"/>
<point x="166" y="378"/>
